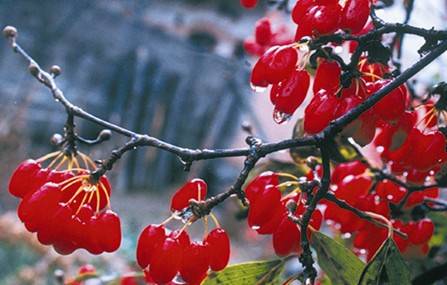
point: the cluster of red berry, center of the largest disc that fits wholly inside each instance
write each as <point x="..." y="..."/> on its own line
<point x="277" y="67"/>
<point x="65" y="208"/>
<point x="163" y="254"/>
<point x="353" y="183"/>
<point x="417" y="153"/>
<point x="268" y="213"/>
<point x="320" y="17"/>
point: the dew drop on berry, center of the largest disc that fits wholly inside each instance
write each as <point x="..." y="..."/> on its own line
<point x="280" y="117"/>
<point x="346" y="236"/>
<point x="258" y="89"/>
<point x="380" y="149"/>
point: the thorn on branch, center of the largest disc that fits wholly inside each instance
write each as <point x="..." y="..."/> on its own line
<point x="103" y="136"/>
<point x="33" y="68"/>
<point x="57" y="139"/>
<point x="55" y="70"/>
<point x="10" y="32"/>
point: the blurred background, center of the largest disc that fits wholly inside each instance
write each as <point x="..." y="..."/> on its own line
<point x="173" y="69"/>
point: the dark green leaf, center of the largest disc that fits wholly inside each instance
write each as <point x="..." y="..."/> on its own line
<point x="340" y="264"/>
<point x="386" y="267"/>
<point x="250" y="273"/>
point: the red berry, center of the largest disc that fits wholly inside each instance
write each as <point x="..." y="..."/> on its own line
<point x="300" y="9"/>
<point x="355" y="13"/>
<point x="258" y="185"/>
<point x="421" y="231"/>
<point x="110" y="227"/>
<point x="390" y="191"/>
<point x="218" y="245"/>
<point x="393" y="105"/>
<point x="19" y="184"/>
<point x="194" y="189"/>
<point x="286" y="238"/>
<point x="276" y="64"/>
<point x="271" y="224"/>
<point x="166" y="262"/>
<point x="264" y="207"/>
<point x="428" y="150"/>
<point x="349" y="168"/>
<point x="327" y="76"/>
<point x="182" y="238"/>
<point x="325" y="18"/>
<point x="87" y="268"/>
<point x="320" y="112"/>
<point x="249" y="4"/>
<point x="149" y="240"/>
<point x="291" y="92"/>
<point x="263" y="31"/>
<point x="353" y="187"/>
<point x="195" y="263"/>
<point x="128" y="280"/>
<point x="36" y="207"/>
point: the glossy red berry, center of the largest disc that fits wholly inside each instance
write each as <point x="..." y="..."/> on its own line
<point x="286" y="238"/>
<point x="429" y="149"/>
<point x="354" y="15"/>
<point x="110" y="226"/>
<point x="22" y="177"/>
<point x="149" y="240"/>
<point x="393" y="105"/>
<point x="32" y="208"/>
<point x="325" y="18"/>
<point x="257" y="186"/>
<point x="349" y="168"/>
<point x="300" y="9"/>
<point x="320" y="112"/>
<point x="327" y="76"/>
<point x="390" y="191"/>
<point x="421" y="231"/>
<point x="166" y="262"/>
<point x="195" y="263"/>
<point x="274" y="65"/>
<point x="264" y="207"/>
<point x="290" y="93"/>
<point x="217" y="243"/>
<point x="194" y="189"/>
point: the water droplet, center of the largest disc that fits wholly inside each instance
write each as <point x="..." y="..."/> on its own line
<point x="346" y="235"/>
<point x="280" y="117"/>
<point x="56" y="100"/>
<point x="258" y="89"/>
<point x="255" y="228"/>
<point x="362" y="251"/>
<point x="380" y="149"/>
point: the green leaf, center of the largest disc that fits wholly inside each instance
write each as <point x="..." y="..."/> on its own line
<point x="340" y="264"/>
<point x="250" y="273"/>
<point x="386" y="267"/>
